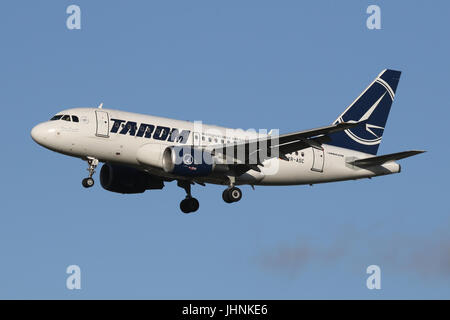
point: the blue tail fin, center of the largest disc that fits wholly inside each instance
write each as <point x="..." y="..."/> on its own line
<point x="372" y="109"/>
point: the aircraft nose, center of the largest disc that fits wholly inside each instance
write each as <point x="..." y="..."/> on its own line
<point x="38" y="133"/>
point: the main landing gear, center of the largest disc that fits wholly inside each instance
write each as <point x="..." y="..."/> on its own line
<point x="92" y="164"/>
<point x="189" y="204"/>
<point x="232" y="194"/>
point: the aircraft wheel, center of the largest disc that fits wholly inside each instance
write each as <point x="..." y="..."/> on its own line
<point x="184" y="206"/>
<point x="189" y="205"/>
<point x="235" y="194"/>
<point x="226" y="196"/>
<point x="87" y="182"/>
<point x="194" y="204"/>
<point x="232" y="195"/>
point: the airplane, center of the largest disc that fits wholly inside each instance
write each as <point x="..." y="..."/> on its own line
<point x="141" y="152"/>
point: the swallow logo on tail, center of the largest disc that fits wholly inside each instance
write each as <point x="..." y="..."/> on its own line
<point x="371" y="108"/>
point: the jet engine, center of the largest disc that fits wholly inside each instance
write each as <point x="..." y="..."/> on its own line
<point x="122" y="179"/>
<point x="179" y="160"/>
<point x="187" y="161"/>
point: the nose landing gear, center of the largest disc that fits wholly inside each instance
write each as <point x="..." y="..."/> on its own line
<point x="87" y="182"/>
<point x="92" y="164"/>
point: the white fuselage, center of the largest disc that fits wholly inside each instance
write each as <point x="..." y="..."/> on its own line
<point x="94" y="136"/>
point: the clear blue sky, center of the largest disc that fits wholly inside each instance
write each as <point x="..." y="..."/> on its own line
<point x="249" y="64"/>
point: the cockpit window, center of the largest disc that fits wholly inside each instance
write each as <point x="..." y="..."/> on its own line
<point x="65" y="117"/>
<point x="57" y="117"/>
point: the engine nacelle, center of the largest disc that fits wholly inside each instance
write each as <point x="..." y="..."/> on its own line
<point x="122" y="179"/>
<point x="187" y="161"/>
<point x="179" y="160"/>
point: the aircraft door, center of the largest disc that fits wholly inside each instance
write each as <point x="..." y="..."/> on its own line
<point x="198" y="140"/>
<point x="318" y="160"/>
<point x="102" y="124"/>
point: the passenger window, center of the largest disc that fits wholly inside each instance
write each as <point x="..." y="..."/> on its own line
<point x="57" y="117"/>
<point x="66" y="117"/>
<point x="75" y="119"/>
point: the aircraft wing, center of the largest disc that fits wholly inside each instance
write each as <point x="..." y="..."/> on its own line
<point x="289" y="137"/>
<point x="379" y="160"/>
<point x="279" y="146"/>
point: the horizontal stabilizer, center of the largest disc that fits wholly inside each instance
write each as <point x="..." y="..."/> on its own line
<point x="379" y="160"/>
